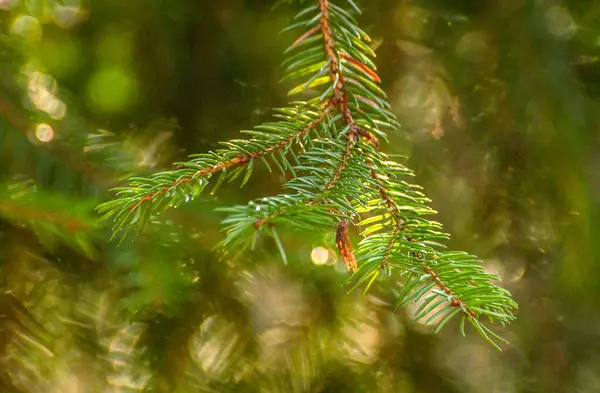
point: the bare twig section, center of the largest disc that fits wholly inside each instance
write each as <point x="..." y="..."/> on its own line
<point x="240" y="159"/>
<point x="455" y="302"/>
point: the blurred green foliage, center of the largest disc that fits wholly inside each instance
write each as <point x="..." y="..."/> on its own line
<point x="499" y="106"/>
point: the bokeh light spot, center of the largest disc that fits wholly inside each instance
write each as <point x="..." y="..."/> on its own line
<point x="560" y="22"/>
<point x="44" y="133"/>
<point x="27" y="27"/>
<point x="42" y="88"/>
<point x="319" y="255"/>
<point x="58" y="110"/>
<point x="472" y="47"/>
<point x="112" y="90"/>
<point x="67" y="16"/>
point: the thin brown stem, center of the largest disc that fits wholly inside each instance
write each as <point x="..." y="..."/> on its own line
<point x="344" y="163"/>
<point x="456" y="301"/>
<point x="399" y="222"/>
<point x="339" y="97"/>
<point x="399" y="226"/>
<point x="258" y="224"/>
<point x="390" y="246"/>
<point x="240" y="159"/>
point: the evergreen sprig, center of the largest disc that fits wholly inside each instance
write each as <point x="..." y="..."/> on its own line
<point x="329" y="146"/>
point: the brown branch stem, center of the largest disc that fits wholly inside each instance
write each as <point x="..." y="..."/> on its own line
<point x="240" y="159"/>
<point x="399" y="222"/>
<point x="344" y="163"/>
<point x="399" y="226"/>
<point x="339" y="97"/>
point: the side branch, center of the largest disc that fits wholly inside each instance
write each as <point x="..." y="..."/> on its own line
<point x="398" y="227"/>
<point x="238" y="160"/>
<point x="399" y="222"/>
<point x="344" y="163"/>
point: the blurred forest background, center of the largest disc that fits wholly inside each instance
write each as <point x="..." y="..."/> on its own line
<point x="499" y="102"/>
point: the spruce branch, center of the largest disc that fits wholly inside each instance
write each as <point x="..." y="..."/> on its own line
<point x="339" y="177"/>
<point x="135" y="204"/>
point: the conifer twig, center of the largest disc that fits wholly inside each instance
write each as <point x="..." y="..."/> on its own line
<point x="455" y="301"/>
<point x="239" y="160"/>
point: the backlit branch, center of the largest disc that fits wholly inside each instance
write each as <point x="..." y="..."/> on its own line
<point x="329" y="144"/>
